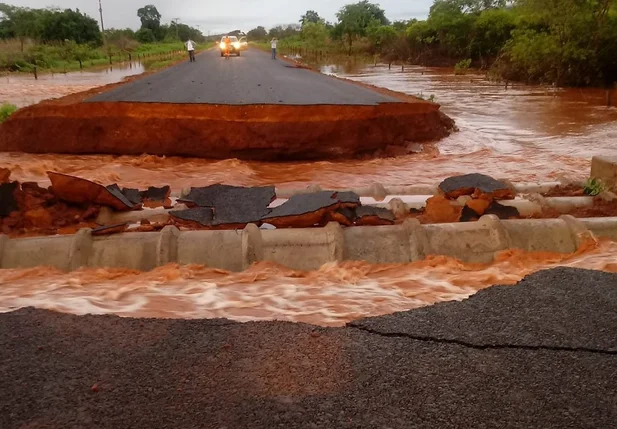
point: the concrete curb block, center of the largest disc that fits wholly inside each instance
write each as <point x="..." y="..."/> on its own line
<point x="304" y="249"/>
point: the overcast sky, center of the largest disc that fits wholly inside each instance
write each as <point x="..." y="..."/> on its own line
<point x="220" y="16"/>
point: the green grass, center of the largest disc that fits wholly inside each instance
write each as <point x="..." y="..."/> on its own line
<point x="54" y="58"/>
<point x="156" y="63"/>
<point x="6" y="110"/>
<point x="594" y="187"/>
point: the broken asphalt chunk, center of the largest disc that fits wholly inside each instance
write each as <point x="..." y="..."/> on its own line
<point x="194" y="217"/>
<point x="8" y="204"/>
<point x="502" y="211"/>
<point x="478" y="184"/>
<point x="233" y="206"/>
<point x="133" y="195"/>
<point x="81" y="191"/>
<point x="208" y="196"/>
<point x="306" y="210"/>
<point x="344" y="216"/>
<point x="368" y="215"/>
<point x="155" y="197"/>
<point x="499" y="210"/>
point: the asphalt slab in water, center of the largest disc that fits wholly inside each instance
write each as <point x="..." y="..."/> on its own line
<point x="64" y="371"/>
<point x="253" y="78"/>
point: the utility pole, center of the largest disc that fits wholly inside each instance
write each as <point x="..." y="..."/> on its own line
<point x="102" y="25"/>
<point x="175" y="20"/>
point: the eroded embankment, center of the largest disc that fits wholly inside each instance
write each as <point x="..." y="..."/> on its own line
<point x="261" y="132"/>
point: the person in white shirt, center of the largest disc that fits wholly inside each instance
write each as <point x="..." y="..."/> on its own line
<point x="190" y="46"/>
<point x="273" y="46"/>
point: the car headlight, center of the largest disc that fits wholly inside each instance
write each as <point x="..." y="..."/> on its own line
<point x="237" y="45"/>
<point x="222" y="45"/>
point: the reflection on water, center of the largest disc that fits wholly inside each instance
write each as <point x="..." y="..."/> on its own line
<point x="23" y="90"/>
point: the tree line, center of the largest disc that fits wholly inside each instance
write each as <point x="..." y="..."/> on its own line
<point x="53" y="25"/>
<point x="561" y="42"/>
<point x="53" y="37"/>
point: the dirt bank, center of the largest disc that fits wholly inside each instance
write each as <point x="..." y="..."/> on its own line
<point x="264" y="132"/>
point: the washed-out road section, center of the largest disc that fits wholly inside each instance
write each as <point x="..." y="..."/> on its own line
<point x="248" y="107"/>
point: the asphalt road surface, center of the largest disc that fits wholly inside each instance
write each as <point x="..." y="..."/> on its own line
<point x="253" y="78"/>
<point x="541" y="354"/>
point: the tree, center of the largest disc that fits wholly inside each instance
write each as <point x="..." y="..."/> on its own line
<point x="354" y="19"/>
<point x="61" y="25"/>
<point x="314" y="34"/>
<point x="381" y="37"/>
<point x="124" y="40"/>
<point x="281" y="32"/>
<point x="492" y="30"/>
<point x="184" y="32"/>
<point x="145" y="35"/>
<point x="312" y="17"/>
<point x="258" y="33"/>
<point x="22" y="23"/>
<point x="150" y="17"/>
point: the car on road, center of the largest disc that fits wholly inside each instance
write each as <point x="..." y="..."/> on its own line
<point x="244" y="44"/>
<point x="234" y="46"/>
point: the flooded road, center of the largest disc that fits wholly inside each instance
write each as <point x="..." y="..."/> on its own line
<point x="521" y="133"/>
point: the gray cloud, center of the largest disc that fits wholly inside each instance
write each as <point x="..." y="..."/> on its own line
<point x="220" y="16"/>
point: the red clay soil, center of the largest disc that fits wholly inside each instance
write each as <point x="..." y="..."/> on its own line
<point x="600" y="208"/>
<point x="570" y="190"/>
<point x="220" y="132"/>
<point x="81" y="191"/>
<point x="41" y="213"/>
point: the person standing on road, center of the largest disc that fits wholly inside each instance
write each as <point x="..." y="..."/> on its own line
<point x="227" y="46"/>
<point x="190" y="46"/>
<point x="273" y="46"/>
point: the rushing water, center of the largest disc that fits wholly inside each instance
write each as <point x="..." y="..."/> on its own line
<point x="522" y="133"/>
<point x="23" y="90"/>
<point x="330" y="296"/>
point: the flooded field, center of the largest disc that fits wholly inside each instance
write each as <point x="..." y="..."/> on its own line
<point x="522" y="133"/>
<point x="23" y="90"/>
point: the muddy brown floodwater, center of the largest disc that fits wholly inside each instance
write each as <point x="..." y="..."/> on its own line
<point x="23" y="90"/>
<point x="523" y="133"/>
<point x="330" y="296"/>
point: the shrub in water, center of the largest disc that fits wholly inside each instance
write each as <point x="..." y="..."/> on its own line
<point x="462" y="66"/>
<point x="6" y="110"/>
